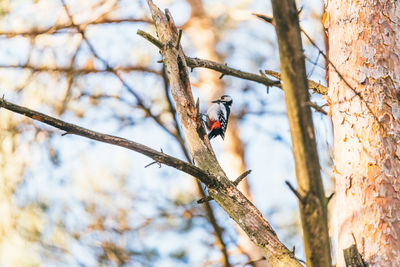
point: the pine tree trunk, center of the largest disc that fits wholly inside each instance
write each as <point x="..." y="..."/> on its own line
<point x="364" y="47"/>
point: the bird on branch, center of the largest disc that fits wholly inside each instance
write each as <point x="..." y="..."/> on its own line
<point x="217" y="116"/>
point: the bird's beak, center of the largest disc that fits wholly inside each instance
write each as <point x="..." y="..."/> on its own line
<point x="215" y="101"/>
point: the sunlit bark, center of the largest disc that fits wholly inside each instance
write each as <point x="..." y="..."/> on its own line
<point x="364" y="46"/>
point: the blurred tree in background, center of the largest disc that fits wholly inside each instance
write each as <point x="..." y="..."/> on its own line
<point x="72" y="202"/>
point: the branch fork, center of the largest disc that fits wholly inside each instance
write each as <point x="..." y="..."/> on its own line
<point x="235" y="183"/>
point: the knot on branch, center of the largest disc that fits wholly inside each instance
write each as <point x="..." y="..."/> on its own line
<point x="235" y="183"/>
<point x="241" y="177"/>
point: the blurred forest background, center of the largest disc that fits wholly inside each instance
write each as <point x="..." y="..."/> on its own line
<point x="67" y="201"/>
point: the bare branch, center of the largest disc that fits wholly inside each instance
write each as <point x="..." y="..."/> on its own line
<point x="224" y="192"/>
<point x="236" y="183"/>
<point x="241" y="177"/>
<point x="178" y="43"/>
<point x="110" y="139"/>
<point x="330" y="197"/>
<point x="317" y="108"/>
<point x="252" y="262"/>
<point x="150" y="38"/>
<point x="224" y="69"/>
<point x="295" y="192"/>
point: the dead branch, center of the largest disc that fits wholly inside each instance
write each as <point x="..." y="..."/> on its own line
<point x="295" y="192"/>
<point x="225" y="70"/>
<point x="241" y="177"/>
<point x="110" y="139"/>
<point x="223" y="191"/>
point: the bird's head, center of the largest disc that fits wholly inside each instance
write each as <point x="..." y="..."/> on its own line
<point x="225" y="99"/>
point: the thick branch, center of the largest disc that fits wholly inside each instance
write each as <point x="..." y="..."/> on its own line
<point x="295" y="85"/>
<point x="110" y="139"/>
<point x="223" y="191"/>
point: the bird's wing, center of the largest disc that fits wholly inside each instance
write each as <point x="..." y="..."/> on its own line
<point x="212" y="112"/>
<point x="222" y="118"/>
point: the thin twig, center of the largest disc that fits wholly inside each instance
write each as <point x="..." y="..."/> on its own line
<point x="150" y="38"/>
<point x="224" y="69"/>
<point x="205" y="199"/>
<point x="317" y="108"/>
<point x="330" y="197"/>
<point x="252" y="262"/>
<point x="241" y="177"/>
<point x="178" y="43"/>
<point x="297" y="194"/>
<point x="154" y="162"/>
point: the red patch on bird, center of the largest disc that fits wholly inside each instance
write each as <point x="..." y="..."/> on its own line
<point x="215" y="125"/>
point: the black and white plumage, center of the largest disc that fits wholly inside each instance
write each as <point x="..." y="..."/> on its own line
<point x="218" y="115"/>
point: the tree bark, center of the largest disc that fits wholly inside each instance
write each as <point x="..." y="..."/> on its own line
<point x="364" y="47"/>
<point x="311" y="194"/>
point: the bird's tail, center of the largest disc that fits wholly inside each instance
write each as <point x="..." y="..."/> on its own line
<point x="212" y="134"/>
<point x="215" y="133"/>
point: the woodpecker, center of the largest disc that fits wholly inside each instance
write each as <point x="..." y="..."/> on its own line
<point x="218" y="115"/>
